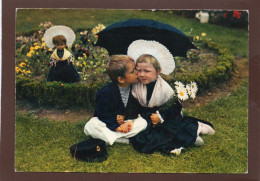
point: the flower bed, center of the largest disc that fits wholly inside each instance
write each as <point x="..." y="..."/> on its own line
<point x="33" y="58"/>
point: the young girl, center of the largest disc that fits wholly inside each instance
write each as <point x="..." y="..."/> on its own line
<point x="62" y="68"/>
<point x="168" y="131"/>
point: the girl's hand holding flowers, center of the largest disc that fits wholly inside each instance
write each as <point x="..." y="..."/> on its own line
<point x="155" y="118"/>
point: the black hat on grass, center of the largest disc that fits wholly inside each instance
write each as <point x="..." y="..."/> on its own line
<point x="91" y="150"/>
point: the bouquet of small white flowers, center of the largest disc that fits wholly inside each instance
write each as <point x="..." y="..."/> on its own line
<point x="186" y="92"/>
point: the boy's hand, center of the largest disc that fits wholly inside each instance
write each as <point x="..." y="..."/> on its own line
<point x="129" y="125"/>
<point x="119" y="129"/>
<point x="120" y="119"/>
<point x="155" y="118"/>
<point x="122" y="129"/>
<point x="126" y="127"/>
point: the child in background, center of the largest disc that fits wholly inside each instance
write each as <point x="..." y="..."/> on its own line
<point x="116" y="113"/>
<point x="168" y="131"/>
<point x="62" y="68"/>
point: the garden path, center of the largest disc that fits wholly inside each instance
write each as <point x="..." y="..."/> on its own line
<point x="73" y="115"/>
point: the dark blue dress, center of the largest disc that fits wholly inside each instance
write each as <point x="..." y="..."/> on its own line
<point x="63" y="71"/>
<point x="176" y="131"/>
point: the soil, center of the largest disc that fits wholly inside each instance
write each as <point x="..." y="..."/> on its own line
<point x="79" y="114"/>
<point x="206" y="59"/>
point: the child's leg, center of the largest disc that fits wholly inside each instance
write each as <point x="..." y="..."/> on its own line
<point x="199" y="141"/>
<point x="205" y="129"/>
<point x="97" y="129"/>
<point x="139" y="125"/>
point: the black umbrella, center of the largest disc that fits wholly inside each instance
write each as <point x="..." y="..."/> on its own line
<point x="117" y="37"/>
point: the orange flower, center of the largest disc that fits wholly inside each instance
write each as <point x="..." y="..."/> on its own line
<point x="225" y="15"/>
<point x="236" y="14"/>
<point x="62" y="84"/>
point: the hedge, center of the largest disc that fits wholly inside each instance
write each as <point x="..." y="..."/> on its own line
<point x="63" y="95"/>
<point x="220" y="73"/>
<point x="55" y="94"/>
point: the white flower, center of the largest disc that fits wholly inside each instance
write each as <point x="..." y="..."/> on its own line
<point x="188" y="88"/>
<point x="193" y="95"/>
<point x="178" y="85"/>
<point x="182" y="94"/>
<point x="194" y="87"/>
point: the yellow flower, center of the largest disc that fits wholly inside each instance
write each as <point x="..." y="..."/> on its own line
<point x="22" y="65"/>
<point x="35" y="44"/>
<point x="43" y="44"/>
<point x="26" y="60"/>
<point x="84" y="55"/>
<point x="49" y="49"/>
<point x="29" y="54"/>
<point x="31" y="48"/>
<point x="80" y="65"/>
<point x="101" y="26"/>
<point x="84" y="63"/>
<point x="17" y="69"/>
<point x="94" y="31"/>
<point x="77" y="64"/>
<point x="203" y="34"/>
<point x="197" y="37"/>
<point x="36" y="47"/>
<point x="88" y="40"/>
<point x="42" y="40"/>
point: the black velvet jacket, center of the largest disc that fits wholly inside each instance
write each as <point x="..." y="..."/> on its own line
<point x="109" y="104"/>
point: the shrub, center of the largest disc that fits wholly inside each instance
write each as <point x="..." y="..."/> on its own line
<point x="220" y="73"/>
<point x="234" y="18"/>
<point x="57" y="94"/>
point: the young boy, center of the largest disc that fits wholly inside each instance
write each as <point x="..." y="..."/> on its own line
<point x="117" y="111"/>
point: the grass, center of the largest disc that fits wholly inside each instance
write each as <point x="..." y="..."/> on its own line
<point x="43" y="145"/>
<point x="28" y="20"/>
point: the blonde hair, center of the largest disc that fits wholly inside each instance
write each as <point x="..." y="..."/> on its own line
<point x="117" y="66"/>
<point x="146" y="58"/>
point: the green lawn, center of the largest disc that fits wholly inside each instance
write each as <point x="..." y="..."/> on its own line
<point x="29" y="19"/>
<point x="43" y="145"/>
